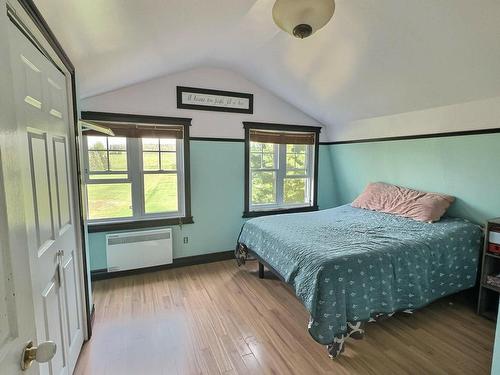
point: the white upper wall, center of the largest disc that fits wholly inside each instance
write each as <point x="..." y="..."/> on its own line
<point x="158" y="97"/>
<point x="475" y="115"/>
<point x="375" y="58"/>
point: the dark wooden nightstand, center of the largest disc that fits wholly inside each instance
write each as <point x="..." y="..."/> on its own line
<point x="488" y="293"/>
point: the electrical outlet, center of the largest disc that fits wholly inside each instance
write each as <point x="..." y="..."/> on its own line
<point x="186" y="239"/>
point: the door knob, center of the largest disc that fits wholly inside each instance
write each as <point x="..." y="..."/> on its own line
<point x="42" y="353"/>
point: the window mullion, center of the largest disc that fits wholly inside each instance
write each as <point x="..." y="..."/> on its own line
<point x="86" y="165"/>
<point x="280" y="175"/>
<point x="179" y="159"/>
<point x="310" y="167"/>
<point x="134" y="155"/>
<point x="107" y="154"/>
<point x="159" y="155"/>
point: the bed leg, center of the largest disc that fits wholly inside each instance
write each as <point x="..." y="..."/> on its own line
<point x="261" y="270"/>
<point x="337" y="347"/>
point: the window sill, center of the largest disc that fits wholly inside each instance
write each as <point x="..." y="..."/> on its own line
<point x="248" y="214"/>
<point x="138" y="224"/>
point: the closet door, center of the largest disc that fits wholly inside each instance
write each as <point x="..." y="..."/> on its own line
<point x="41" y="103"/>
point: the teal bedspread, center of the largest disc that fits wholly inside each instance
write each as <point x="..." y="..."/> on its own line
<point x="347" y="264"/>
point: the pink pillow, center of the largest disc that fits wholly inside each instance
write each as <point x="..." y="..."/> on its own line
<point x="402" y="201"/>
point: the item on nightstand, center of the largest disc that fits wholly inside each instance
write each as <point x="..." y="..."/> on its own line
<point x="494" y="248"/>
<point x="493" y="280"/>
<point x="494" y="241"/>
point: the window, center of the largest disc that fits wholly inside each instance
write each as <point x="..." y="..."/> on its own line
<point x="109" y="188"/>
<point x="281" y="163"/>
<point x="160" y="179"/>
<point x="138" y="175"/>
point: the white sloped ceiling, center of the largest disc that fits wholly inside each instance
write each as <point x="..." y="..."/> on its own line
<point x="374" y="58"/>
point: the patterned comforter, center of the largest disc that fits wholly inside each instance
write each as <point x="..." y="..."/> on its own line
<point x="348" y="265"/>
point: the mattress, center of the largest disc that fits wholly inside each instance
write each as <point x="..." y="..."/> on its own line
<point x="348" y="264"/>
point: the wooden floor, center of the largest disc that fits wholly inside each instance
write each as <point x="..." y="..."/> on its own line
<point x="218" y="318"/>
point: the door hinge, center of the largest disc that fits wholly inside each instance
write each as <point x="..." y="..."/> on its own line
<point x="58" y="275"/>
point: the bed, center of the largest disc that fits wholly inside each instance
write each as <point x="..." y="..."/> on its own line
<point x="349" y="266"/>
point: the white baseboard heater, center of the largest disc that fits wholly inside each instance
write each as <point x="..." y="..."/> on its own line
<point x="126" y="251"/>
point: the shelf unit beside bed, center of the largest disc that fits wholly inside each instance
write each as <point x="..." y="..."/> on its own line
<point x="489" y="293"/>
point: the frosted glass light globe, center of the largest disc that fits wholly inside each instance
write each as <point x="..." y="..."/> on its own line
<point x="302" y="18"/>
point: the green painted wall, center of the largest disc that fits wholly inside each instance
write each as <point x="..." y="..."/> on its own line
<point x="467" y="167"/>
<point x="217" y="189"/>
<point x="326" y="189"/>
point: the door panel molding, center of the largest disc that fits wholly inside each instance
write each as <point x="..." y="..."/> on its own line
<point x="41" y="190"/>
<point x="71" y="291"/>
<point x="53" y="316"/>
<point x="55" y="99"/>
<point x="62" y="184"/>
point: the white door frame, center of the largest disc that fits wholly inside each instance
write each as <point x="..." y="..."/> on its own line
<point x="39" y="33"/>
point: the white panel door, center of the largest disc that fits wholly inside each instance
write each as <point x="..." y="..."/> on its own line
<point x="42" y="115"/>
<point x="17" y="322"/>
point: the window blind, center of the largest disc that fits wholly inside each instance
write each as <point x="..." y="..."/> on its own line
<point x="140" y="130"/>
<point x="281" y="137"/>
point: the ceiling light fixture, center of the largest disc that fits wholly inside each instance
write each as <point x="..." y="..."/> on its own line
<point x="302" y="18"/>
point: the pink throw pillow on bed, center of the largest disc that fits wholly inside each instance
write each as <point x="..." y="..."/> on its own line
<point x="402" y="201"/>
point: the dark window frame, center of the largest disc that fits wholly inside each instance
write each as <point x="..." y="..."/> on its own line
<point x="146" y="119"/>
<point x="247" y="213"/>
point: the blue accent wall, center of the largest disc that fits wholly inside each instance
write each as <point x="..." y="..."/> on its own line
<point x="467" y="167"/>
<point x="217" y="200"/>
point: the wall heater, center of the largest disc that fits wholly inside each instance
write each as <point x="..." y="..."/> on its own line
<point x="125" y="251"/>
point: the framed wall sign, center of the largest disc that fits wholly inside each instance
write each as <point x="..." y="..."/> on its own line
<point x="214" y="100"/>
